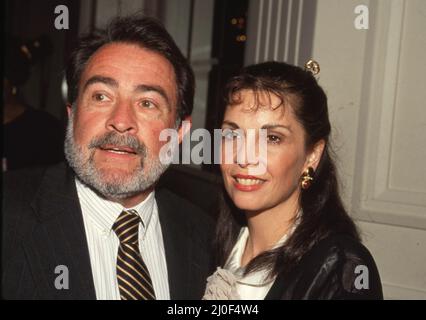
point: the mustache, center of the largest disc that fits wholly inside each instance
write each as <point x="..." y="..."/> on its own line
<point x="119" y="141"/>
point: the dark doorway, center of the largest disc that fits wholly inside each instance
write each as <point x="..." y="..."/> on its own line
<point x="229" y="42"/>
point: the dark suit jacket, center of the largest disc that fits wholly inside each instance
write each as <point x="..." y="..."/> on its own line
<point x="43" y="228"/>
<point x="338" y="267"/>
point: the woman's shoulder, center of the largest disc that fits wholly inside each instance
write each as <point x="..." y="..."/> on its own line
<point x="337" y="267"/>
<point x="342" y="247"/>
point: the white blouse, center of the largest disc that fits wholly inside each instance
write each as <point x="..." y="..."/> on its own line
<point x="255" y="285"/>
<point x="230" y="283"/>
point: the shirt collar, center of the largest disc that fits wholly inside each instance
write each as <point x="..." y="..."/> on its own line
<point x="103" y="213"/>
<point x="258" y="278"/>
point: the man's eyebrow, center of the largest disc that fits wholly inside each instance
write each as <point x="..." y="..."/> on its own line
<point x="273" y="126"/>
<point x="154" y="88"/>
<point x="231" y="124"/>
<point x="100" y="79"/>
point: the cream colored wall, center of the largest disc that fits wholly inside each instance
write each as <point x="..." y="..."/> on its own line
<point x="376" y="88"/>
<point x="400" y="256"/>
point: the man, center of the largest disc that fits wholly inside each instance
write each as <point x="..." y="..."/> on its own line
<point x="96" y="228"/>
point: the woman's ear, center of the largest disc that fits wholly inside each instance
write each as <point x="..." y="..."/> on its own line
<point x="314" y="156"/>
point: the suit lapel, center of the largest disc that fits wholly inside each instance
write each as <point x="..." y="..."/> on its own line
<point x="59" y="238"/>
<point x="177" y="245"/>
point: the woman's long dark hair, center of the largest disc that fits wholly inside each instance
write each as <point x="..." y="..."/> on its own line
<point x="323" y="210"/>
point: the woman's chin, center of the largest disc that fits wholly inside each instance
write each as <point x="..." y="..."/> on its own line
<point x="251" y="205"/>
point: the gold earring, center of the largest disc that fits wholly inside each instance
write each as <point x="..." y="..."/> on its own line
<point x="307" y="178"/>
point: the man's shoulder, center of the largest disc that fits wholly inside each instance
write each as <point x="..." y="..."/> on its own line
<point x="24" y="174"/>
<point x="182" y="216"/>
<point x="18" y="181"/>
<point x="22" y="182"/>
<point x="182" y="208"/>
<point x="21" y="186"/>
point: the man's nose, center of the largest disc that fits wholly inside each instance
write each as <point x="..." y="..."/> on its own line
<point x="122" y="118"/>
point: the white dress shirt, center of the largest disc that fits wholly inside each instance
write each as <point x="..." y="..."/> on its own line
<point x="99" y="216"/>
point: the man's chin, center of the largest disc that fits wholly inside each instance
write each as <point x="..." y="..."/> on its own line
<point x="115" y="185"/>
<point x="116" y="176"/>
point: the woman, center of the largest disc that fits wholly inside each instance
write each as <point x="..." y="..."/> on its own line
<point x="31" y="137"/>
<point x="283" y="233"/>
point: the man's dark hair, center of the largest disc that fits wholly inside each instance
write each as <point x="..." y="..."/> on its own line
<point x="145" y="32"/>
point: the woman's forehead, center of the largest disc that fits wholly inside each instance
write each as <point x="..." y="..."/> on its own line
<point x="244" y="117"/>
<point x="258" y="99"/>
<point x="257" y="103"/>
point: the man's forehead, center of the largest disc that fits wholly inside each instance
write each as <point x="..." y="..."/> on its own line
<point x="144" y="67"/>
<point x="132" y="55"/>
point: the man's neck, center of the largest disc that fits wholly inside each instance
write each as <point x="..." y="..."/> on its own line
<point x="133" y="201"/>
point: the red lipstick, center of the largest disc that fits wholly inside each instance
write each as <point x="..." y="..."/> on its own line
<point x="247" y="187"/>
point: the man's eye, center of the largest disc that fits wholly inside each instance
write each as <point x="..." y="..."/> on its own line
<point x="100" y="97"/>
<point x="274" y="139"/>
<point x="147" y="104"/>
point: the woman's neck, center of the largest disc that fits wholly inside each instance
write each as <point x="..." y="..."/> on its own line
<point x="267" y="227"/>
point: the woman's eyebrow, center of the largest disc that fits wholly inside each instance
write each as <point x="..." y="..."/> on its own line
<point x="233" y="125"/>
<point x="273" y="126"/>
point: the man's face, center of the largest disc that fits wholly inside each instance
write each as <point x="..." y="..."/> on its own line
<point x="127" y="95"/>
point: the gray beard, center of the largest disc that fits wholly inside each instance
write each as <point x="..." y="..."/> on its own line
<point x="111" y="186"/>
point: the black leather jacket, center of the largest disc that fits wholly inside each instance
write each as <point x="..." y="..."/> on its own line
<point x="338" y="267"/>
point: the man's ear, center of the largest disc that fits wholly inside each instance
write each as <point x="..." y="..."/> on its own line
<point x="184" y="128"/>
<point x="314" y="156"/>
<point x="69" y="109"/>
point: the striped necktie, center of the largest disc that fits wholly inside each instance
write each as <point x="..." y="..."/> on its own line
<point x="133" y="277"/>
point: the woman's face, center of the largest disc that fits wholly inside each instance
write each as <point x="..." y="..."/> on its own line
<point x="285" y="158"/>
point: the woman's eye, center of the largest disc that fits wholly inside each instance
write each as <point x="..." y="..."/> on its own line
<point x="274" y="139"/>
<point x="147" y="104"/>
<point x="230" y="134"/>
